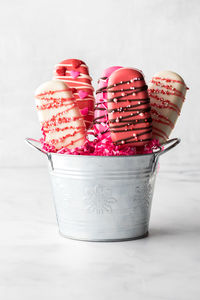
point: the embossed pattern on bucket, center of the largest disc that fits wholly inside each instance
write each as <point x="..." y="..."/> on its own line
<point x="104" y="198"/>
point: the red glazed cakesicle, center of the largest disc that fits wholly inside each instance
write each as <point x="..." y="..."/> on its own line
<point x="75" y="73"/>
<point x="167" y="92"/>
<point x="129" y="108"/>
<point x="59" y="115"/>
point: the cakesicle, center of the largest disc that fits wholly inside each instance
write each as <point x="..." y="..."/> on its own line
<point x="167" y="92"/>
<point x="75" y="73"/>
<point x="129" y="108"/>
<point x="59" y="115"/>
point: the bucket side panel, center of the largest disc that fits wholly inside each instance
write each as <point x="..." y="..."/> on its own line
<point x="96" y="207"/>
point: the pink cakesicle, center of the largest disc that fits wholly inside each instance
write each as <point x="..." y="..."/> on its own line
<point x="59" y="115"/>
<point x="75" y="73"/>
<point x="167" y="93"/>
<point x="100" y="110"/>
<point x="129" y="108"/>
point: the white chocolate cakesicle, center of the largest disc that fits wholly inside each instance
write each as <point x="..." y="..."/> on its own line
<point x="167" y="93"/>
<point x="59" y="115"/>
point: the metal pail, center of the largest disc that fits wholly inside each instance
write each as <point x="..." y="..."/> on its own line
<point x="103" y="198"/>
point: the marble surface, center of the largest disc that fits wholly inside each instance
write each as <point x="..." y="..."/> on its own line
<point x="37" y="263"/>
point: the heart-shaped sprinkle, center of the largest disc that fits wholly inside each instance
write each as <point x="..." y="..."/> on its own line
<point x="61" y="71"/>
<point x="82" y="94"/>
<point x="84" y="111"/>
<point x="74" y="74"/>
<point x="74" y="90"/>
<point x="76" y="63"/>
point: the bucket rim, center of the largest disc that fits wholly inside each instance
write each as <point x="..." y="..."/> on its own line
<point x="165" y="147"/>
<point x="101" y="156"/>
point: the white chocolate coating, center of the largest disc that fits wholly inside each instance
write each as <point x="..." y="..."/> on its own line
<point x="59" y="115"/>
<point x="167" y="93"/>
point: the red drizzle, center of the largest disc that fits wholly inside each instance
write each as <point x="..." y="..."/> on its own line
<point x="79" y="84"/>
<point x="56" y="122"/>
<point x="161" y="103"/>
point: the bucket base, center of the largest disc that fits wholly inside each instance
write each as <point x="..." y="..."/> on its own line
<point x="105" y="240"/>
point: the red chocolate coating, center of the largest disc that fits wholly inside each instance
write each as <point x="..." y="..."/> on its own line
<point x="129" y="108"/>
<point x="75" y="73"/>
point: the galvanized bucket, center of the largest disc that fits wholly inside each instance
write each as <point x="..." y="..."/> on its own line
<point x="103" y="198"/>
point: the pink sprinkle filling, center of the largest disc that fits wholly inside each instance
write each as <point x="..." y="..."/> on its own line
<point x="101" y="146"/>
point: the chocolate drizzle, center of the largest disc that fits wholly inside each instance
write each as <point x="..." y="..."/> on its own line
<point x="128" y="109"/>
<point x="96" y="120"/>
<point x="102" y="78"/>
<point x="105" y="89"/>
<point x="131" y="122"/>
<point x="136" y="106"/>
<point x="135" y="129"/>
<point x="129" y="139"/>
<point x="128" y="122"/>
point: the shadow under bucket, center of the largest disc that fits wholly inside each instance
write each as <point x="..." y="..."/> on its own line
<point x="103" y="198"/>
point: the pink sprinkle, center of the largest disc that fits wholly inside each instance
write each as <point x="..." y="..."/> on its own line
<point x="102" y="146"/>
<point x="74" y="74"/>
<point x="82" y="94"/>
<point x="84" y="111"/>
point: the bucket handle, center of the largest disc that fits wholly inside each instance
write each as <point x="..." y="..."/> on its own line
<point x="172" y="143"/>
<point x="168" y="145"/>
<point x="32" y="142"/>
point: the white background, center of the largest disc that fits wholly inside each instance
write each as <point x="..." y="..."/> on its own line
<point x="150" y="35"/>
<point x="35" y="262"/>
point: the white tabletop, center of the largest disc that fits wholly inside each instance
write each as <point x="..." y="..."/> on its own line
<point x="37" y="263"/>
